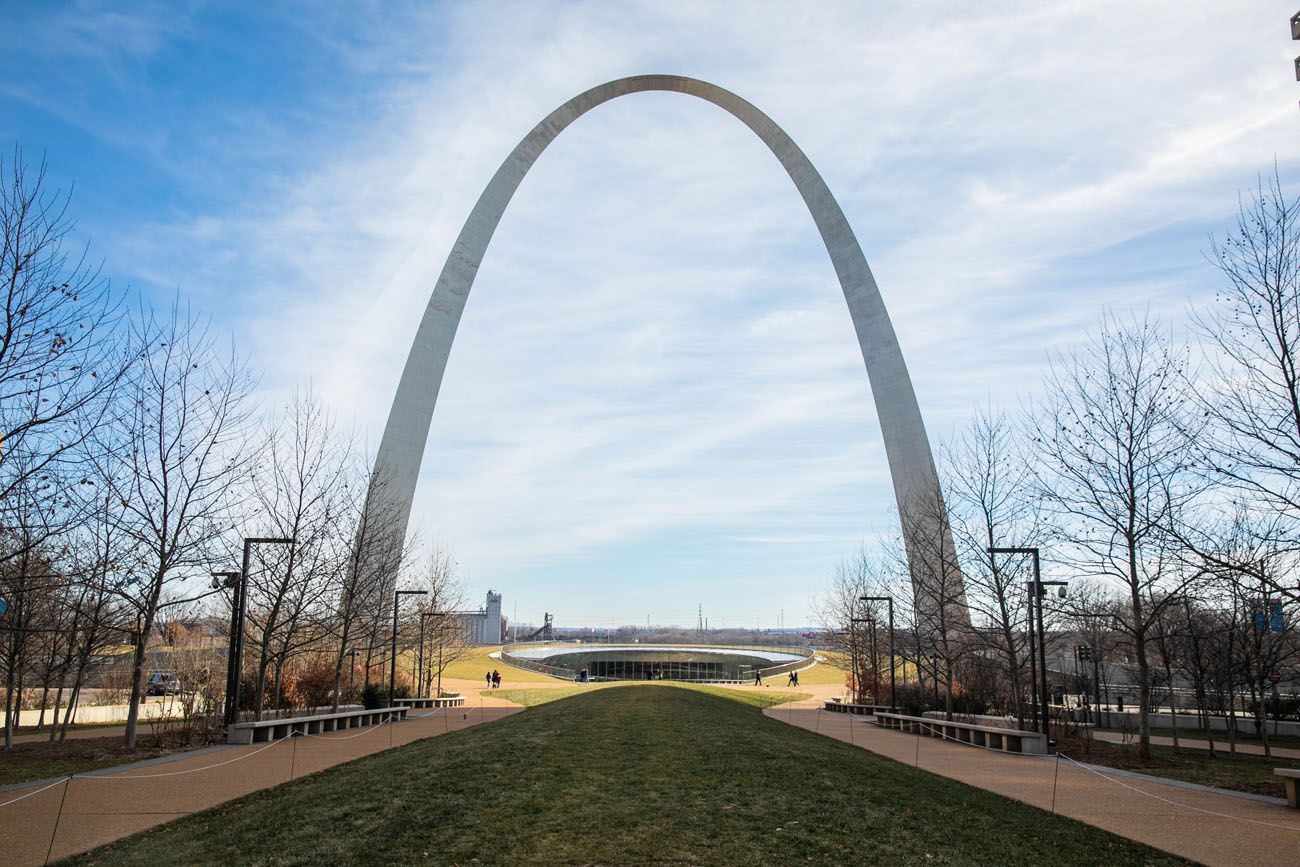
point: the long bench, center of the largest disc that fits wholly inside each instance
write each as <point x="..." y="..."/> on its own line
<point x="430" y="701"/>
<point x="1289" y="777"/>
<point x="993" y="737"/>
<point x="854" y="708"/>
<point x="275" y="729"/>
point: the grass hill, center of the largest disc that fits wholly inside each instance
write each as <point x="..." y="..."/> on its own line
<point x="629" y="776"/>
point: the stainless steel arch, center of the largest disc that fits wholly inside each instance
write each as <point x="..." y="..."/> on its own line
<point x="911" y="464"/>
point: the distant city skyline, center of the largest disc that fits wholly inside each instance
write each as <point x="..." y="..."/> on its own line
<point x="656" y="400"/>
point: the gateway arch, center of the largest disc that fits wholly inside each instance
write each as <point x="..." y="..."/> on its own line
<point x="927" y="534"/>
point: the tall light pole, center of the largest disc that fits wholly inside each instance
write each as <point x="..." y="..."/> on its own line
<point x="235" y="655"/>
<point x="893" y="685"/>
<point x="392" y="669"/>
<point x="352" y="668"/>
<point x="1036" y="593"/>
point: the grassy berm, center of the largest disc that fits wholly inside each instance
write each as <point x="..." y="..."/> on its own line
<point x="637" y="775"/>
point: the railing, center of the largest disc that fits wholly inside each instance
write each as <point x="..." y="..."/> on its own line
<point x="534" y="665"/>
<point x="805" y="654"/>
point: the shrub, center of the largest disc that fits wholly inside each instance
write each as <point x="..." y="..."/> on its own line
<point x="373" y="696"/>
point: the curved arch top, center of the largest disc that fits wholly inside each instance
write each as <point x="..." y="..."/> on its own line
<point x="926" y="531"/>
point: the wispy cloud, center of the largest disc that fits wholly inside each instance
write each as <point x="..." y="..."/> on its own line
<point x="656" y="375"/>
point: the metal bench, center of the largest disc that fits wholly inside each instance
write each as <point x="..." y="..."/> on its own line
<point x="430" y="701"/>
<point x="1289" y="776"/>
<point x="275" y="729"/>
<point x="992" y="737"/>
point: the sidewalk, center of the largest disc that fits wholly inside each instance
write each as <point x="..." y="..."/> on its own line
<point x="1202" y="825"/>
<point x="111" y="803"/>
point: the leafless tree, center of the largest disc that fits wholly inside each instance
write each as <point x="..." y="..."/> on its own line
<point x="445" y="639"/>
<point x="376" y="552"/>
<point x="60" y="352"/>
<point x="994" y="503"/>
<point x="299" y="489"/>
<point x="1113" y="438"/>
<point x="182" y="434"/>
<point x="942" y="613"/>
<point x="1254" y="397"/>
<point x="849" y="623"/>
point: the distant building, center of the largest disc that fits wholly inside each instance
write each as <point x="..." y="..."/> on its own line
<point x="485" y="626"/>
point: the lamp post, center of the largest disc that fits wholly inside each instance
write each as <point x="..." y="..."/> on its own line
<point x="893" y="685"/>
<point x="352" y="668"/>
<point x="392" y="669"/>
<point x="1036" y="593"/>
<point x="239" y="606"/>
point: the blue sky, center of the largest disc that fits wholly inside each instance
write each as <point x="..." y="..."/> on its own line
<point x="656" y="398"/>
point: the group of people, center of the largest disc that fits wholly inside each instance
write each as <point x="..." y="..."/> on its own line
<point x="792" y="680"/>
<point x="493" y="679"/>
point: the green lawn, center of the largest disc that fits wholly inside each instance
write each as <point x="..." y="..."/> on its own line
<point x="627" y="776"/>
<point x="1221" y="738"/>
<point x="477" y="663"/>
<point x="36" y="760"/>
<point x="1242" y="773"/>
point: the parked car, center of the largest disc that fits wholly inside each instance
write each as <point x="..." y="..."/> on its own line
<point x="163" y="683"/>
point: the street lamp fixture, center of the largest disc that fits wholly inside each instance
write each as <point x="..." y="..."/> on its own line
<point x="1037" y="590"/>
<point x="238" y="582"/>
<point x="392" y="670"/>
<point x="893" y="685"/>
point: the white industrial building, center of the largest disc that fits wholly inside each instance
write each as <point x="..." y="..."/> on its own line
<point x="485" y="626"/>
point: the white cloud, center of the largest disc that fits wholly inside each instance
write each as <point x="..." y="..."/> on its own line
<point x="656" y="343"/>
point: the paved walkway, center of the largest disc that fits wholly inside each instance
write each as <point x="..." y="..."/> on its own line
<point x="1204" y="826"/>
<point x="1220" y="747"/>
<point x="108" y="804"/>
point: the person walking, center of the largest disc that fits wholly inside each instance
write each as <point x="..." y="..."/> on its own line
<point x="795" y="675"/>
<point x="488" y="677"/>
<point x="758" y="678"/>
<point x="496" y="679"/>
<point x="791" y="680"/>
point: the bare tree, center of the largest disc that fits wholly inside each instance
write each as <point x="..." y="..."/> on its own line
<point x="375" y="553"/>
<point x="942" y="615"/>
<point x="849" y="623"/>
<point x="993" y="503"/>
<point x="1254" y="399"/>
<point x="299" y="487"/>
<point x="1113" y="438"/>
<point x="182" y="431"/>
<point x="445" y="638"/>
<point x="60" y="355"/>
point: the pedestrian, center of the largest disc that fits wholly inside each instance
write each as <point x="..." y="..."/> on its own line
<point x="789" y="681"/>
<point x="488" y="678"/>
<point x="758" y="678"/>
<point x="496" y="679"/>
<point x="795" y="675"/>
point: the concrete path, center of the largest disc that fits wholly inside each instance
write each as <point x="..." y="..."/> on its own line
<point x="1192" y="822"/>
<point x="108" y="804"/>
<point x="1221" y="747"/>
